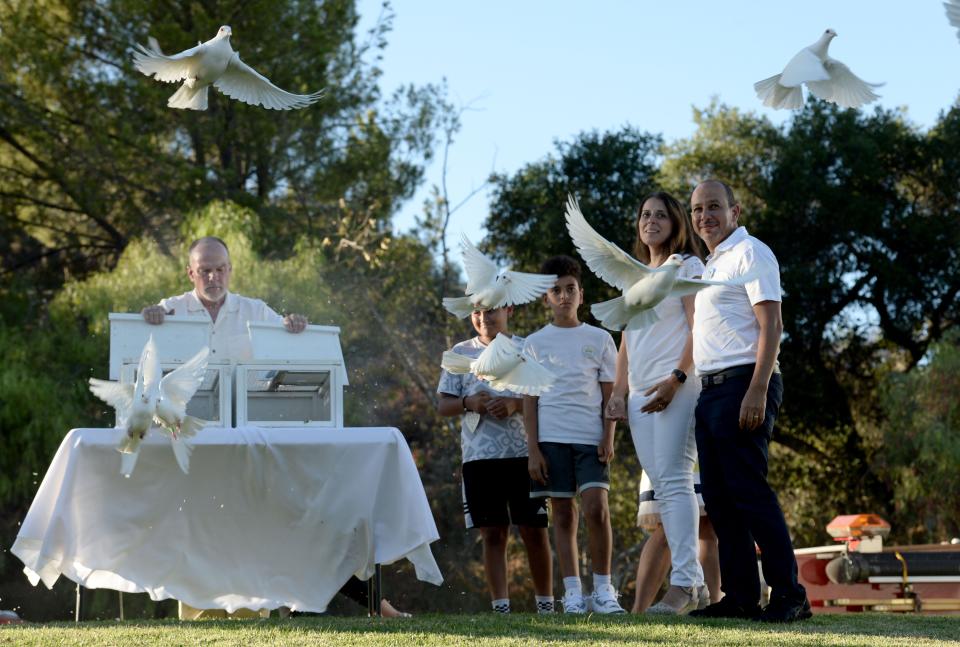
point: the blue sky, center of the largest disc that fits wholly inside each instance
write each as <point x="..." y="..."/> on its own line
<point x="536" y="71"/>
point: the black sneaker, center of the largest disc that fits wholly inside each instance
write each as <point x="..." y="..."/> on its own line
<point x="786" y="610"/>
<point x="727" y="608"/>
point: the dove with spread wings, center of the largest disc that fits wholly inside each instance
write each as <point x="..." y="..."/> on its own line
<point x="643" y="287"/>
<point x="215" y="63"/>
<point x="155" y="398"/>
<point x="488" y="288"/>
<point x="826" y="78"/>
<point x="504" y="366"/>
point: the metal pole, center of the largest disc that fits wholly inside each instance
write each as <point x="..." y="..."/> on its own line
<point x="78" y="609"/>
<point x="374" y="588"/>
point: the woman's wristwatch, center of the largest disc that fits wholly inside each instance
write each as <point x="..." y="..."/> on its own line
<point x="680" y="375"/>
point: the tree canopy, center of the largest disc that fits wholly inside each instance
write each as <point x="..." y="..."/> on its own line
<point x="91" y="157"/>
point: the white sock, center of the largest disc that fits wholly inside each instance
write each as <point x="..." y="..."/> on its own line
<point x="544" y="603"/>
<point x="501" y="606"/>
<point x="600" y="580"/>
<point x="571" y="583"/>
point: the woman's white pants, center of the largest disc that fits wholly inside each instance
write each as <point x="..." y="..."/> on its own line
<point x="667" y="449"/>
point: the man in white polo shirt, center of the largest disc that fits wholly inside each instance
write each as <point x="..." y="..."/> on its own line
<point x="736" y="339"/>
<point x="209" y="270"/>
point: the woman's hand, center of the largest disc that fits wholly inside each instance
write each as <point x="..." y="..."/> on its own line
<point x="662" y="395"/>
<point x="616" y="408"/>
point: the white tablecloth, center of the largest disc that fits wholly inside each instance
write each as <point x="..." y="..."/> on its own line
<point x="266" y="517"/>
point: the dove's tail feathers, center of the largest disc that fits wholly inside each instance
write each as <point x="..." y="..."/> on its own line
<point x="643" y="319"/>
<point x="181" y="451"/>
<point x="778" y="96"/>
<point x="612" y="314"/>
<point x="190" y="426"/>
<point x="128" y="462"/>
<point x="188" y="98"/>
<point x="455" y="362"/>
<point x="460" y="307"/>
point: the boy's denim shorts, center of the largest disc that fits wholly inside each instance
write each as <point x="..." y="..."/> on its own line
<point x="571" y="469"/>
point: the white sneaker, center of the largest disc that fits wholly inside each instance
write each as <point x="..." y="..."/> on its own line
<point x="605" y="600"/>
<point x="573" y="602"/>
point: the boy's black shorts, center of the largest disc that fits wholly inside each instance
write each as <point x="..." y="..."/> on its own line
<point x="496" y="492"/>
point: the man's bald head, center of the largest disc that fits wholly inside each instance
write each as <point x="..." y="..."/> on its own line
<point x="209" y="269"/>
<point x="207" y="240"/>
<point x="731" y="199"/>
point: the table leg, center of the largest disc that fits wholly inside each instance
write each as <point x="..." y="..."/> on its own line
<point x="374" y="592"/>
<point x="79" y="609"/>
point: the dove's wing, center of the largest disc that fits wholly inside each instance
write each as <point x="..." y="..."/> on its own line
<point x="169" y="69"/>
<point x="804" y="67"/>
<point x="119" y="396"/>
<point x="524" y="287"/>
<point x="683" y="287"/>
<point x="179" y="385"/>
<point x="604" y="258"/>
<point x="459" y="307"/>
<point x="456" y="363"/>
<point x="497" y="358"/>
<point x="149" y="369"/>
<point x="243" y="83"/>
<point x="481" y="270"/>
<point x="529" y="377"/>
<point x="844" y="88"/>
<point x="953" y="13"/>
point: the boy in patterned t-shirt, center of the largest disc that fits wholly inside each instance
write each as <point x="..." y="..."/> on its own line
<point x="496" y="487"/>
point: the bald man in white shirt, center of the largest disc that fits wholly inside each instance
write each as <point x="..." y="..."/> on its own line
<point x="736" y="339"/>
<point x="209" y="269"/>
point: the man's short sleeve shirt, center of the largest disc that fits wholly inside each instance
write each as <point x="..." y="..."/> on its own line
<point x="725" y="328"/>
<point x="229" y="337"/>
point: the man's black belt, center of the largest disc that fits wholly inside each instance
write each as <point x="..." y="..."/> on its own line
<point x="715" y="379"/>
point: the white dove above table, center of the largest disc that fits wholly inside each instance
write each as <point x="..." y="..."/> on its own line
<point x="489" y="288"/>
<point x="504" y="366"/>
<point x="215" y="63"/>
<point x="643" y="287"/>
<point x="155" y="398"/>
<point x="826" y="78"/>
<point x="135" y="403"/>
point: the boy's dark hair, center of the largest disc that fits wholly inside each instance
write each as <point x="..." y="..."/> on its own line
<point x="562" y="265"/>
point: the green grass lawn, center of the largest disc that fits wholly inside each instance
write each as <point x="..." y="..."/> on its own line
<point x="487" y="629"/>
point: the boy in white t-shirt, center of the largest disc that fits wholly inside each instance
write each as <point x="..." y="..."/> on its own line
<point x="570" y="443"/>
<point x="495" y="483"/>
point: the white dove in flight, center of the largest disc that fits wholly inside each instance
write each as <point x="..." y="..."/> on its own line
<point x="643" y="287"/>
<point x="826" y="78"/>
<point x="504" y="366"/>
<point x="953" y="13"/>
<point x="488" y="288"/>
<point x="215" y="63"/>
<point x="135" y="404"/>
<point x="176" y="389"/>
